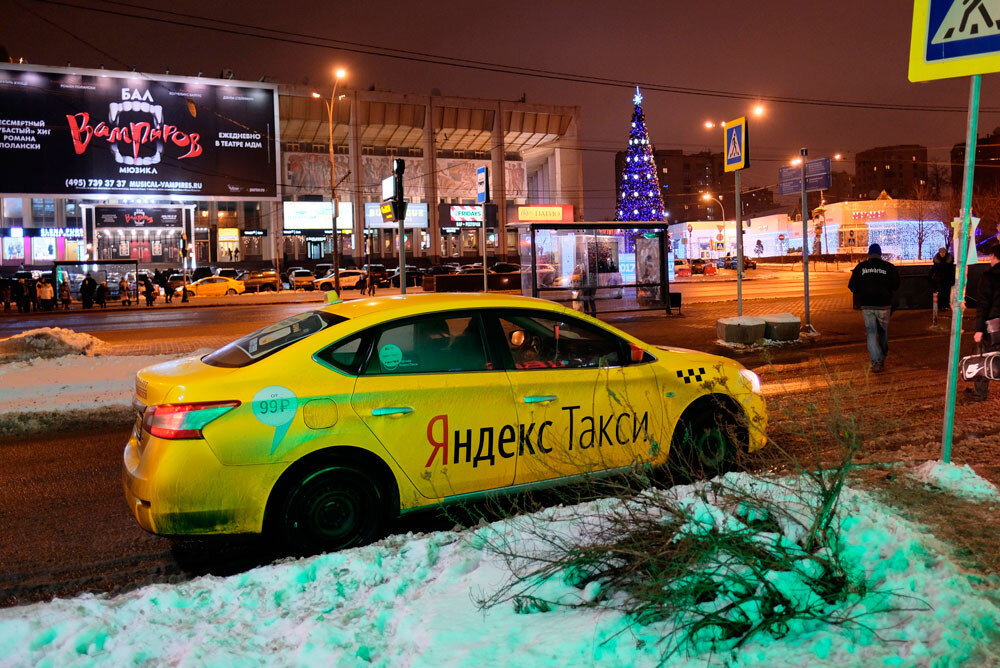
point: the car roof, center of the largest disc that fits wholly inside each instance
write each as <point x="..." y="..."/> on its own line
<point x="397" y="306"/>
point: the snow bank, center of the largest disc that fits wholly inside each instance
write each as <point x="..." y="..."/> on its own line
<point x="50" y="342"/>
<point x="41" y="394"/>
<point x="409" y="601"/>
<point x="961" y="481"/>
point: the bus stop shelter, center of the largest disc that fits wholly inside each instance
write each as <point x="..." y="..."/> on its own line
<point x="620" y="266"/>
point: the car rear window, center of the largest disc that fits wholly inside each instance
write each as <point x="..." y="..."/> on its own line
<point x="269" y="340"/>
<point x="302" y="272"/>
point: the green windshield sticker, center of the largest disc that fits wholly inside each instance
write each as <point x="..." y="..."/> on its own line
<point x="275" y="406"/>
<point x="389" y="356"/>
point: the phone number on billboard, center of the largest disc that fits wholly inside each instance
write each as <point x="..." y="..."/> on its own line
<point x="119" y="184"/>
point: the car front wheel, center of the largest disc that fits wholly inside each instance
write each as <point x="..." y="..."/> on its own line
<point x="707" y="441"/>
<point x="331" y="508"/>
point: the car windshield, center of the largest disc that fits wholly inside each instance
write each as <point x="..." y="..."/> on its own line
<point x="302" y="272"/>
<point x="271" y="339"/>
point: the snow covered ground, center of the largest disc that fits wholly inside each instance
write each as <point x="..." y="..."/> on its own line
<point x="49" y="342"/>
<point x="410" y="601"/>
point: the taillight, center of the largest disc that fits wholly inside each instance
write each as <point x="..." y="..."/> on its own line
<point x="175" y="421"/>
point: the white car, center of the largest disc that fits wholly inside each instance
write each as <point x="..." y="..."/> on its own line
<point x="213" y="286"/>
<point x="350" y="279"/>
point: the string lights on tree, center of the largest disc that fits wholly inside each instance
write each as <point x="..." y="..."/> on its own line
<point x="639" y="191"/>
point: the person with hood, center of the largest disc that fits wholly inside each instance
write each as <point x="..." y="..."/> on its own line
<point x="987" y="336"/>
<point x="87" y="290"/>
<point x="148" y="290"/>
<point x="46" y="295"/>
<point x="942" y="276"/>
<point x="124" y="291"/>
<point x="5" y="296"/>
<point x="874" y="282"/>
<point x="101" y="295"/>
<point x="64" y="294"/>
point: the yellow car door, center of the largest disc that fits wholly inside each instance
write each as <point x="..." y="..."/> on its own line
<point x="575" y="385"/>
<point x="432" y="395"/>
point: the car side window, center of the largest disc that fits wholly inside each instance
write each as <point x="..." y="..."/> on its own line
<point x="430" y="344"/>
<point x="549" y="342"/>
<point x="347" y="355"/>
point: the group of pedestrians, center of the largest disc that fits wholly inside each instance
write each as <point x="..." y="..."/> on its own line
<point x="874" y="283"/>
<point x="27" y="296"/>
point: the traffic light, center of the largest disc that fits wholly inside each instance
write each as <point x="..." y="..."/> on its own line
<point x="183" y="250"/>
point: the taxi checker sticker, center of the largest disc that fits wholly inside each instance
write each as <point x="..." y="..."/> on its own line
<point x="275" y="406"/>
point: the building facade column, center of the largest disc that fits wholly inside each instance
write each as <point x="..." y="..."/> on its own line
<point x="430" y="183"/>
<point x="498" y="180"/>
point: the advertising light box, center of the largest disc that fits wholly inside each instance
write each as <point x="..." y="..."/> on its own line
<point x="148" y="216"/>
<point x="74" y="132"/>
<point x="311" y="216"/>
<point x="416" y="216"/>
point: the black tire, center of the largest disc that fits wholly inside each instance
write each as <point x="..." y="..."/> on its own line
<point x="707" y="442"/>
<point x="189" y="293"/>
<point x="331" y="508"/>
<point x="231" y="291"/>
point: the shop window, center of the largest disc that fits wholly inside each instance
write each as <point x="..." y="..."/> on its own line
<point x="13" y="212"/>
<point x="74" y="214"/>
<point x="43" y="210"/>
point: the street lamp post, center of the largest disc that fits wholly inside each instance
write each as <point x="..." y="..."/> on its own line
<point x="338" y="75"/>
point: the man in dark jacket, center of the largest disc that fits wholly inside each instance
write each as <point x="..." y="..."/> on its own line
<point x="987" y="309"/>
<point x="87" y="291"/>
<point x="943" y="277"/>
<point x="873" y="282"/>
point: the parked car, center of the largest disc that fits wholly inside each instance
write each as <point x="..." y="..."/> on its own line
<point x="261" y="280"/>
<point x="200" y="273"/>
<point x="475" y="268"/>
<point x="175" y="281"/>
<point x="505" y="268"/>
<point x="213" y="286"/>
<point x="228" y="272"/>
<point x="350" y="279"/>
<point x="439" y="270"/>
<point x="413" y="277"/>
<point x="682" y="269"/>
<point x="378" y="273"/>
<point x="322" y="269"/>
<point x="729" y="262"/>
<point x="697" y="266"/>
<point x="301" y="278"/>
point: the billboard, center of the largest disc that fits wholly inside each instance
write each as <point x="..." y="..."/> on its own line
<point x="416" y="216"/>
<point x="70" y="132"/>
<point x="140" y="216"/>
<point x="312" y="216"/>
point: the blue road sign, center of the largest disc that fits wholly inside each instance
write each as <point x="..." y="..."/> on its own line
<point x="736" y="148"/>
<point x="818" y="177"/>
<point x="482" y="185"/>
<point x="953" y="38"/>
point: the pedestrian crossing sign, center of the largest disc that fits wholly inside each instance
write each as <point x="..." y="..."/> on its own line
<point x="737" y="148"/>
<point x="954" y="38"/>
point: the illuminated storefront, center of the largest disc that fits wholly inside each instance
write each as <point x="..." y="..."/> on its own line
<point x="147" y="234"/>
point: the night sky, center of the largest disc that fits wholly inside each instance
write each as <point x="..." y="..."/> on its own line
<point x="847" y="51"/>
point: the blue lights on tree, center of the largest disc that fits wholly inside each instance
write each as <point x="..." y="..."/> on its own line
<point x="639" y="192"/>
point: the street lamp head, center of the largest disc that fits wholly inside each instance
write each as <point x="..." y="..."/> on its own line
<point x="340" y="73"/>
<point x="836" y="156"/>
<point x="316" y="95"/>
<point x="758" y="110"/>
<point x="706" y="196"/>
<point x="796" y="161"/>
<point x="709" y="125"/>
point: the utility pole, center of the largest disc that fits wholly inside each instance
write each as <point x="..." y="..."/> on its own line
<point x="803" y="152"/>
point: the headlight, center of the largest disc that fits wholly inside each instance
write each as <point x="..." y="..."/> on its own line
<point x="752" y="379"/>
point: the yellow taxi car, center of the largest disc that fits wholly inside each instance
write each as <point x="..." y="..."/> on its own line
<point x="323" y="427"/>
<point x="213" y="286"/>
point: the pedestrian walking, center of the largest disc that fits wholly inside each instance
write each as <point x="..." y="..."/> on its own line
<point x="987" y="336"/>
<point x="46" y="295"/>
<point x="942" y="276"/>
<point x="33" y="296"/>
<point x="5" y="293"/>
<point x="874" y="282"/>
<point x="168" y="294"/>
<point x="586" y="290"/>
<point x="148" y="290"/>
<point x="370" y="284"/>
<point x="87" y="291"/>
<point x="64" y="294"/>
<point x="101" y="294"/>
<point x="19" y="293"/>
<point x="124" y="291"/>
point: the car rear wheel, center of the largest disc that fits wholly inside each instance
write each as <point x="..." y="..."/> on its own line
<point x="231" y="291"/>
<point x="708" y="440"/>
<point x="331" y="508"/>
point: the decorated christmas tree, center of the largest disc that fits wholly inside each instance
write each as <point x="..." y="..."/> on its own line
<point x="639" y="192"/>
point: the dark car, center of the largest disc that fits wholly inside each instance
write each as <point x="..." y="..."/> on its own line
<point x="439" y="270"/>
<point x="413" y="277"/>
<point x="697" y="266"/>
<point x="505" y="268"/>
<point x="261" y="280"/>
<point x="200" y="273"/>
<point x="322" y="269"/>
<point x="377" y="273"/>
<point x="227" y="272"/>
<point x="175" y="281"/>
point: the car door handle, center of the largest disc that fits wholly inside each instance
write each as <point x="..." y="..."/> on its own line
<point x="392" y="410"/>
<point x="540" y="398"/>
